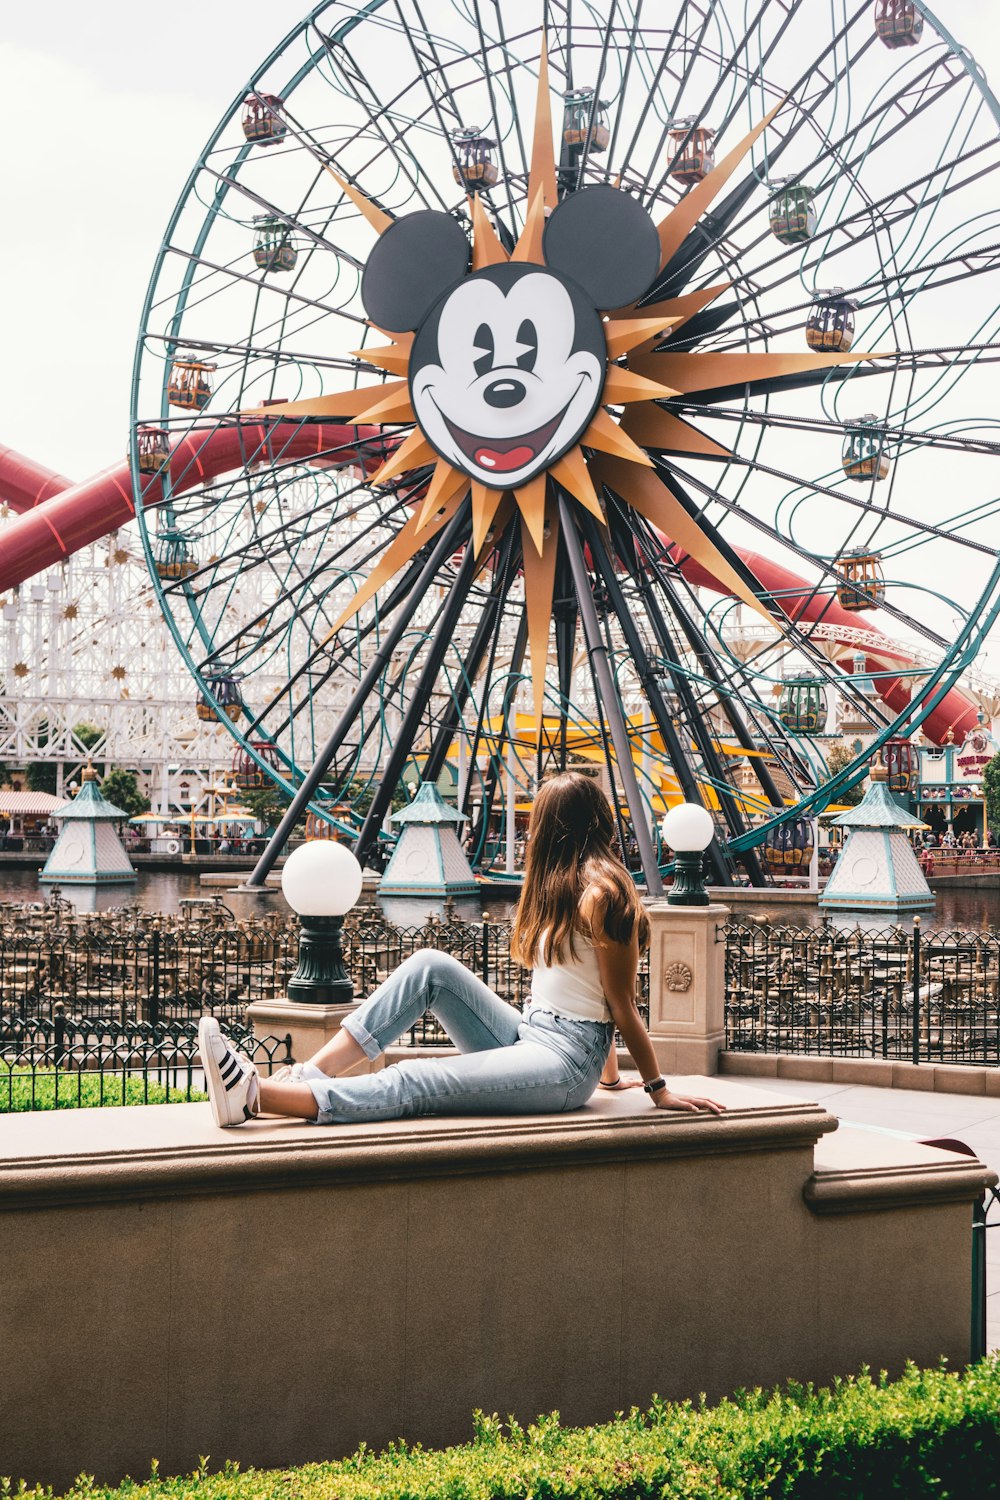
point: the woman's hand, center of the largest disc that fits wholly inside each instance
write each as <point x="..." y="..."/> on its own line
<point x="664" y="1099"/>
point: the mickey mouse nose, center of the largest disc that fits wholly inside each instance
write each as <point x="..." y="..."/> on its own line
<point x="504" y="393"/>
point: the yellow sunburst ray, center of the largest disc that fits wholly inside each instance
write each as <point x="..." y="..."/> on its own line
<point x="708" y="372"/>
<point x="377" y="217"/>
<point x="386" y="357"/>
<point x="623" y="334"/>
<point x="485" y="505"/>
<point x="529" y="242"/>
<point x="342" y="404"/>
<point x="623" y="386"/>
<point x="572" y="473"/>
<point x="530" y="499"/>
<point x="539" y="585"/>
<point x="647" y="494"/>
<point x="608" y="437"/>
<point x="404" y="546"/>
<point x="486" y="247"/>
<point x="542" y="172"/>
<point x="655" y="428"/>
<point x="676" y="227"/>
<point x="413" y="451"/>
<point x="445" y="483"/>
<point x="394" y="407"/>
<point x="679" y="310"/>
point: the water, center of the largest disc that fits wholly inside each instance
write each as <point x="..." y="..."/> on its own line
<point x="163" y="891"/>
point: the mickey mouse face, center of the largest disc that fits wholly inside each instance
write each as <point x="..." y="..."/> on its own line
<point x="506" y="372"/>
<point x="508" y="364"/>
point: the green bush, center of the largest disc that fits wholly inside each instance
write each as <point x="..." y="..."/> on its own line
<point x="82" y="1091"/>
<point x="930" y="1433"/>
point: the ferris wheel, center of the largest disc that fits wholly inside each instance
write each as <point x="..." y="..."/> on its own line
<point x="497" y="356"/>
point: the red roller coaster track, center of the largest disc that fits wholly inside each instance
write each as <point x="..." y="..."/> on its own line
<point x="56" y="518"/>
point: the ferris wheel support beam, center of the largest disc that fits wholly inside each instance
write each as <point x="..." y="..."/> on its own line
<point x="605" y="685"/>
<point x="427" y="681"/>
<point x="565" y="633"/>
<point x="706" y="662"/>
<point x="661" y="713"/>
<point x="497" y="760"/>
<point x="299" y="803"/>
<point x="470" y="667"/>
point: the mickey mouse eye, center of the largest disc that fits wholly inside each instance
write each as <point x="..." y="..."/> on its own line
<point x="484" y="345"/>
<point x="527" y="339"/>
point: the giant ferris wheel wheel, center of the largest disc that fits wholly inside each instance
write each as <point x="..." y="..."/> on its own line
<point x="497" y="356"/>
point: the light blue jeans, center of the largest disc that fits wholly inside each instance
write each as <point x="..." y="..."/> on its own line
<point x="507" y="1063"/>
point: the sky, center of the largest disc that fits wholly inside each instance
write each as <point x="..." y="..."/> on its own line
<point x="111" y="103"/>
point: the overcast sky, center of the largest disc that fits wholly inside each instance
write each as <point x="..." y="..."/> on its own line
<point x="108" y="106"/>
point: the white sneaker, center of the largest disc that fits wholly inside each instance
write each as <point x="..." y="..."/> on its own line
<point x="297" y="1073"/>
<point x="230" y="1078"/>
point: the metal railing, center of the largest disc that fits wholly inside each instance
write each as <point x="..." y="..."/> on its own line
<point x="58" y="1064"/>
<point x="898" y="993"/>
<point x="160" y="974"/>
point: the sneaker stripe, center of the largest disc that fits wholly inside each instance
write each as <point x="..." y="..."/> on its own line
<point x="228" y="1065"/>
<point x="239" y="1078"/>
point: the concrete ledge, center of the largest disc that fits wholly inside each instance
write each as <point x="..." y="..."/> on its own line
<point x="870" y="1072"/>
<point x="412" y="1271"/>
<point x="172" y="1146"/>
<point x="858" y="1172"/>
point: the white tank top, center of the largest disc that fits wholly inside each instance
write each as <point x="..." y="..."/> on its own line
<point x="572" y="988"/>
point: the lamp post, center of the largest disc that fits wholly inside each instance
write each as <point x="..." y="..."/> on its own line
<point x="321" y="881"/>
<point x="688" y="829"/>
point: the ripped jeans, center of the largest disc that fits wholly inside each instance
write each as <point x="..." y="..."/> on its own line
<point x="507" y="1063"/>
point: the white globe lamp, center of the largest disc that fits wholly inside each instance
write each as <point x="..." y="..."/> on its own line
<point x="321" y="881"/>
<point x="688" y="830"/>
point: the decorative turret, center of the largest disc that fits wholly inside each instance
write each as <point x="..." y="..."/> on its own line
<point x="877" y="869"/>
<point x="88" y="850"/>
<point x="428" y="859"/>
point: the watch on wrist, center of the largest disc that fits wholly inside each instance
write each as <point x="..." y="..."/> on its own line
<point x="655" y="1085"/>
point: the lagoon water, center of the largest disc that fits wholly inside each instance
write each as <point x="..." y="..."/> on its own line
<point x="972" y="910"/>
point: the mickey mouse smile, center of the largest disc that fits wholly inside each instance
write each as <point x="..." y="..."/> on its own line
<point x="504" y="455"/>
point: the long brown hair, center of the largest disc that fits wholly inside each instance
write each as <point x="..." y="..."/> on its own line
<point x="572" y="844"/>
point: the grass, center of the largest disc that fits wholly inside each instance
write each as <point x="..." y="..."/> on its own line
<point x="21" y="1089"/>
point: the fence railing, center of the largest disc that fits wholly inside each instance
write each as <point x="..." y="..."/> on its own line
<point x="158" y="977"/>
<point x="56" y="1064"/>
<point x="899" y="993"/>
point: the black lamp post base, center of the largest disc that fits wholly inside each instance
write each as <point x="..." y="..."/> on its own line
<point x="321" y="978"/>
<point x="688" y="888"/>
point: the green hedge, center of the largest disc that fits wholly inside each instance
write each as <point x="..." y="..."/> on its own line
<point x="19" y="1091"/>
<point x="930" y="1433"/>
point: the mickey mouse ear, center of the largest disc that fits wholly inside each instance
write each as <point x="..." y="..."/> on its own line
<point x="605" y="241"/>
<point x="412" y="263"/>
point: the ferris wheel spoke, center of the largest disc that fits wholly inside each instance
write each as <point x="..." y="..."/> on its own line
<point x="914" y="438"/>
<point x="828" y="571"/>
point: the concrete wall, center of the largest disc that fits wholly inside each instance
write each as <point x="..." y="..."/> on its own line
<point x="281" y="1293"/>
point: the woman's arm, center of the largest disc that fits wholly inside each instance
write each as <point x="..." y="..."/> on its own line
<point x="618" y="964"/>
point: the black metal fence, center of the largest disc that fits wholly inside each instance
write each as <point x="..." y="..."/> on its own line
<point x="161" y="976"/>
<point x="58" y="1064"/>
<point x="144" y="975"/>
<point x="899" y="993"/>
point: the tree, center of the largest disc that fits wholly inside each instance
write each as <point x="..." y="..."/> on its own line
<point x="267" y="804"/>
<point x="122" y="789"/>
<point x="41" y="776"/>
<point x="87" y="735"/>
<point x="836" y="760"/>
<point x="991" y="792"/>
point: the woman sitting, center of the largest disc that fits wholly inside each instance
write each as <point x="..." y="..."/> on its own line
<point x="579" y="926"/>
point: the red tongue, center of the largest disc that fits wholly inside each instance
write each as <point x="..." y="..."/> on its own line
<point x="504" y="463"/>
